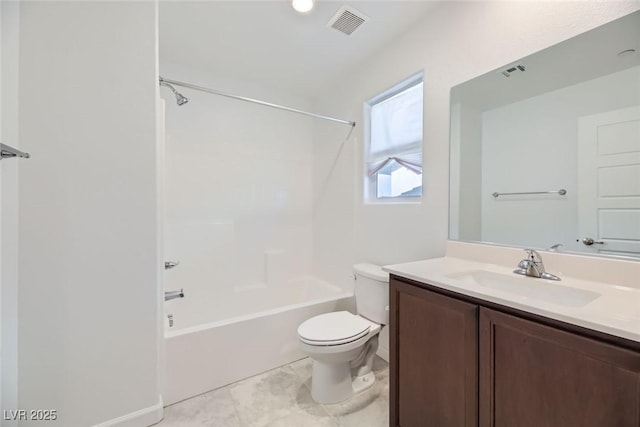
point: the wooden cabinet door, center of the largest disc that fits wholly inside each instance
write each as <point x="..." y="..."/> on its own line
<point x="533" y="375"/>
<point x="434" y="359"/>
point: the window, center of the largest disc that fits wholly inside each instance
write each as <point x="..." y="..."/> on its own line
<point x="393" y="152"/>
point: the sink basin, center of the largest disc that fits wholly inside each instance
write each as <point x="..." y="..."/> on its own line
<point x="527" y="287"/>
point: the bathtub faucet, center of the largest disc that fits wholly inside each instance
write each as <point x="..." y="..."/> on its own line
<point x="173" y="295"/>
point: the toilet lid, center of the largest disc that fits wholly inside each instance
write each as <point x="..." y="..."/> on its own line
<point x="333" y="328"/>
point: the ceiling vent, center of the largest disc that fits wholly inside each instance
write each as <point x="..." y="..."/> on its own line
<point x="347" y="20"/>
<point x="513" y="69"/>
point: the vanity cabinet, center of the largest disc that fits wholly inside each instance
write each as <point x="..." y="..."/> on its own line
<point x="536" y="375"/>
<point x="457" y="361"/>
<point x="434" y="360"/>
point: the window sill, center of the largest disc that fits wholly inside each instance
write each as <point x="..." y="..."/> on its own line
<point x="394" y="201"/>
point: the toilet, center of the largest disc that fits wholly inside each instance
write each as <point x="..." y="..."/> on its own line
<point x="343" y="345"/>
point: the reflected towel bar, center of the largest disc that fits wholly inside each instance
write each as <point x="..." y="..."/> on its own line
<point x="561" y="192"/>
<point x="7" y="152"/>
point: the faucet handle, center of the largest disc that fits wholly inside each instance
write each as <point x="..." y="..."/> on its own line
<point x="169" y="295"/>
<point x="533" y="266"/>
<point x="168" y="265"/>
<point x="533" y="255"/>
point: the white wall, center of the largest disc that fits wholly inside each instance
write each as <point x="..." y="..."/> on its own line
<point x="532" y="145"/>
<point x="9" y="25"/>
<point x="454" y="43"/>
<point x="88" y="263"/>
<point x="238" y="190"/>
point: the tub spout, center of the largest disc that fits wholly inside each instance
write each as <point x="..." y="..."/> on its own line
<point x="173" y="295"/>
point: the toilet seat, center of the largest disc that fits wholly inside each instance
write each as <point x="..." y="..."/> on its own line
<point x="340" y="327"/>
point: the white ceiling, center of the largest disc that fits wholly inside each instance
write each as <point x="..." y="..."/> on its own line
<point x="268" y="43"/>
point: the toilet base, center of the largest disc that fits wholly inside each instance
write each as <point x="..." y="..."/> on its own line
<point x="363" y="382"/>
<point x="333" y="383"/>
<point x="337" y="377"/>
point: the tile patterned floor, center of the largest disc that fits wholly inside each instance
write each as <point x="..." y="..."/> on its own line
<point x="282" y="398"/>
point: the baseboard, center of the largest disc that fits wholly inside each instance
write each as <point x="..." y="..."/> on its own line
<point x="142" y="418"/>
<point x="383" y="353"/>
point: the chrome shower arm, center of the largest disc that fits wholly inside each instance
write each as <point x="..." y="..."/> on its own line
<point x="180" y="98"/>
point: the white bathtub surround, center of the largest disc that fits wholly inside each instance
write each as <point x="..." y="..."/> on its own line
<point x="611" y="287"/>
<point x="281" y="397"/>
<point x="204" y="355"/>
<point x="198" y="310"/>
<point x="238" y="186"/>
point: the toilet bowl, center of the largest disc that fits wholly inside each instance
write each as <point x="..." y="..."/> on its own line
<point x="342" y="345"/>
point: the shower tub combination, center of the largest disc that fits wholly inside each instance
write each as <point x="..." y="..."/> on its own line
<point x="236" y="319"/>
<point x="260" y="335"/>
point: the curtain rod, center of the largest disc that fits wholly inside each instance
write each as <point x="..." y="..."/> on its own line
<point x="256" y="101"/>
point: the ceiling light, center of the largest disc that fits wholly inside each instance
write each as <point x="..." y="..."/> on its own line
<point x="302" y="6"/>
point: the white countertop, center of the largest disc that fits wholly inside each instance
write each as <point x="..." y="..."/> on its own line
<point x="616" y="311"/>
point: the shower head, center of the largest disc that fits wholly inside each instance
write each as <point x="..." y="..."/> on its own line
<point x="180" y="98"/>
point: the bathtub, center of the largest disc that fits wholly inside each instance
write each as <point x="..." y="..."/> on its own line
<point x="247" y="331"/>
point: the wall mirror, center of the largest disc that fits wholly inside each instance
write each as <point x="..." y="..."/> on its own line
<point x="546" y="150"/>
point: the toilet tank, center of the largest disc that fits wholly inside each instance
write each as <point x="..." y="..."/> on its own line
<point x="372" y="292"/>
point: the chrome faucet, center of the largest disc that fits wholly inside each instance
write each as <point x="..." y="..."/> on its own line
<point x="173" y="295"/>
<point x="532" y="266"/>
